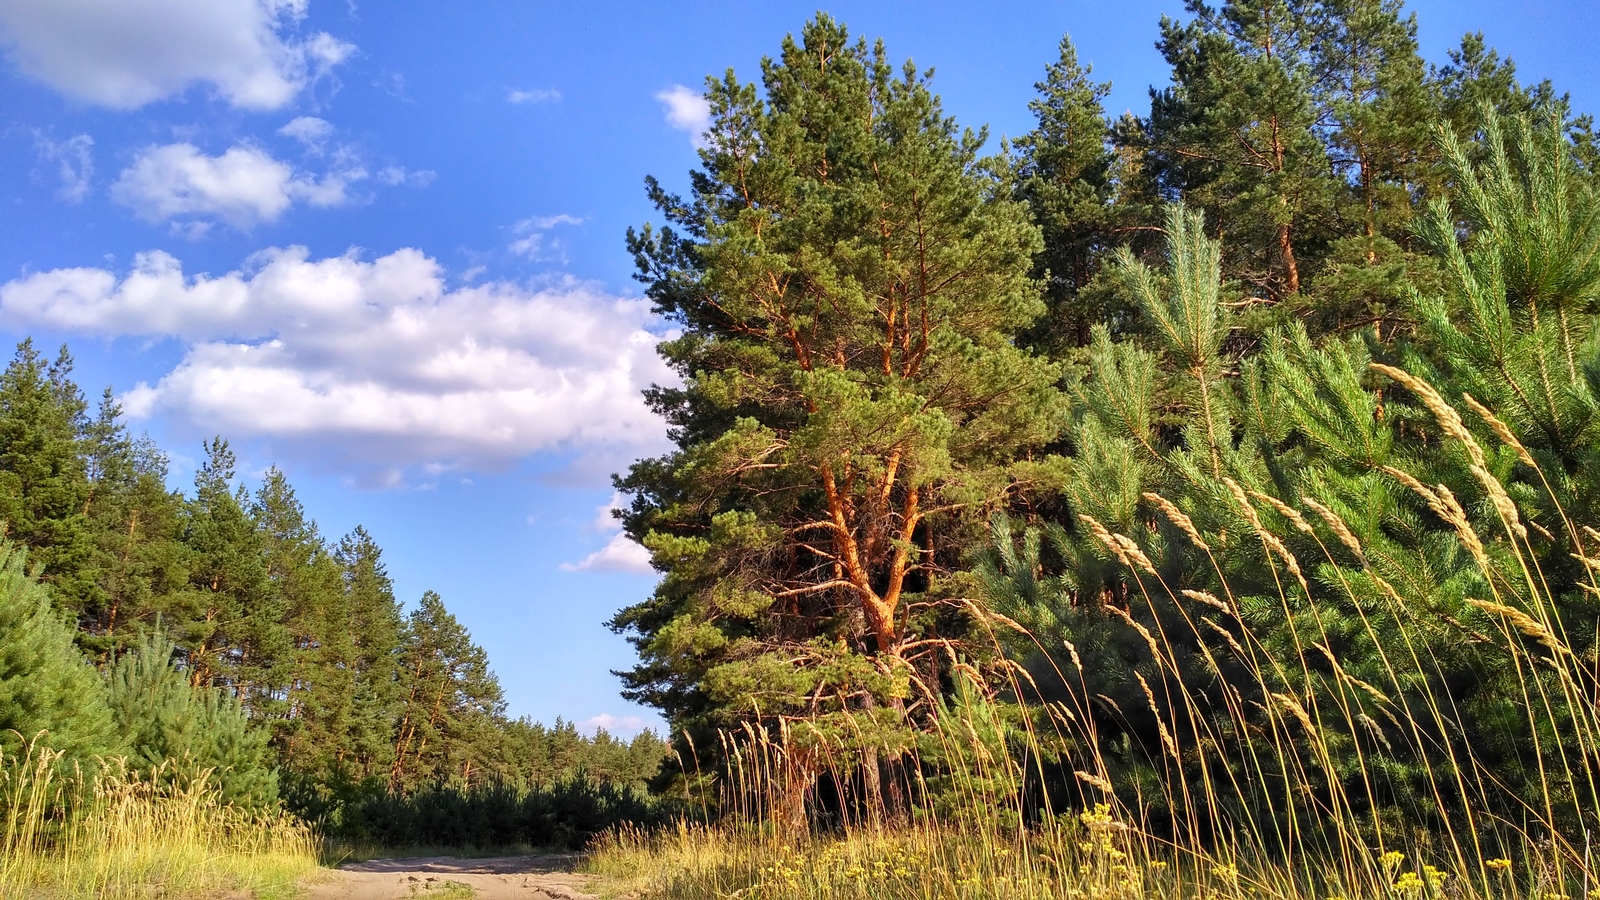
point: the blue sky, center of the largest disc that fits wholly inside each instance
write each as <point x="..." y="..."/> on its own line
<point x="380" y="246"/>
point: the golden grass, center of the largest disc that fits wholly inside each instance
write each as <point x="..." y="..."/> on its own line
<point x="1091" y="856"/>
<point x="111" y="836"/>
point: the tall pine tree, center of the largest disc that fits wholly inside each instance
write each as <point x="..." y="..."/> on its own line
<point x="44" y="488"/>
<point x="234" y="629"/>
<point x="376" y="631"/>
<point x="849" y="277"/>
<point x="1235" y="135"/>
<point x="453" y="707"/>
<point x="1066" y="172"/>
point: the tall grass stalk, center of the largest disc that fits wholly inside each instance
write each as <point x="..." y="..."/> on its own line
<point x="1277" y="779"/>
<point x="111" y="835"/>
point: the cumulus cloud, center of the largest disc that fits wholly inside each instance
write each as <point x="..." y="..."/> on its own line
<point x="372" y="366"/>
<point x="620" y="554"/>
<point x="619" y="726"/>
<point x="687" y="110"/>
<point x="530" y="237"/>
<point x="243" y="186"/>
<point x="130" y="53"/>
<point x="74" y="160"/>
<point x="310" y="131"/>
<point x="535" y="96"/>
<point x="605" y="515"/>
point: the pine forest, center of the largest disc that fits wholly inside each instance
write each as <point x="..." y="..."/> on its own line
<point x="1201" y="503"/>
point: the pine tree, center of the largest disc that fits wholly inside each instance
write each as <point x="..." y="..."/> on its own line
<point x="453" y="706"/>
<point x="43" y="484"/>
<point x="50" y="696"/>
<point x="233" y="631"/>
<point x="1477" y="81"/>
<point x="1378" y="117"/>
<point x="1235" y="135"/>
<point x="375" y="628"/>
<point x="139" y="565"/>
<point x="176" y="731"/>
<point x="1065" y="173"/>
<point x="1304" y="130"/>
<point x="317" y="679"/>
<point x="1320" y="528"/>
<point x="849" y="278"/>
<point x="1476" y="78"/>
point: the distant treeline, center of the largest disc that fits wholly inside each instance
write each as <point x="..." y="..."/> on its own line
<point x="244" y="598"/>
<point x="567" y="813"/>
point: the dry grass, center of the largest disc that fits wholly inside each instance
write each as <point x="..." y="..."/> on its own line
<point x="113" y="836"/>
<point x="1093" y="857"/>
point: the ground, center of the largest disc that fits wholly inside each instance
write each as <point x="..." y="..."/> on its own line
<point x="548" y="877"/>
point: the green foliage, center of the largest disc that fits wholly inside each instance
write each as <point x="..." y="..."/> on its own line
<point x="1069" y="177"/>
<point x="1236" y="134"/>
<point x="849" y="276"/>
<point x="233" y="632"/>
<point x="43" y="485"/>
<point x="290" y="659"/>
<point x="453" y="705"/>
<point x="537" y="754"/>
<point x="50" y="696"/>
<point x="565" y="814"/>
<point x="1289" y="565"/>
<point x="972" y="761"/>
<point x="372" y="635"/>
<point x="1223" y="421"/>
<point x="178" y="732"/>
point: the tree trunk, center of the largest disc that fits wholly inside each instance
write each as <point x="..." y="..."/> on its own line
<point x="1291" y="269"/>
<point x="872" y="788"/>
<point x="799" y="776"/>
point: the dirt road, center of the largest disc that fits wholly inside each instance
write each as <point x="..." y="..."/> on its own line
<point x="443" y="878"/>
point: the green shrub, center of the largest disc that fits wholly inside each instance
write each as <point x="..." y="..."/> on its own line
<point x="176" y="731"/>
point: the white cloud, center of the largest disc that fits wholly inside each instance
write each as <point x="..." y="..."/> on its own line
<point x="310" y="131"/>
<point x="534" y="96"/>
<point x="529" y="236"/>
<point x="398" y="175"/>
<point x="129" y="53"/>
<point x="192" y="230"/>
<point x="372" y="366"/>
<point x="616" y="726"/>
<point x="243" y="186"/>
<point x="605" y="519"/>
<point x="74" y="159"/>
<point x="620" y="554"/>
<point x="687" y="110"/>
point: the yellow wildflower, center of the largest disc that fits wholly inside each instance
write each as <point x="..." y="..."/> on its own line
<point x="1408" y="882"/>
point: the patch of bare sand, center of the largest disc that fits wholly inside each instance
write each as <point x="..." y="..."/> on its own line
<point x="548" y="877"/>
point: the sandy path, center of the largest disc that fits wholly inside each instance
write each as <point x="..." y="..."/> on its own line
<point x="499" y="878"/>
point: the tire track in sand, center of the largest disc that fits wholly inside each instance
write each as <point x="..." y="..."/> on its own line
<point x="548" y="877"/>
